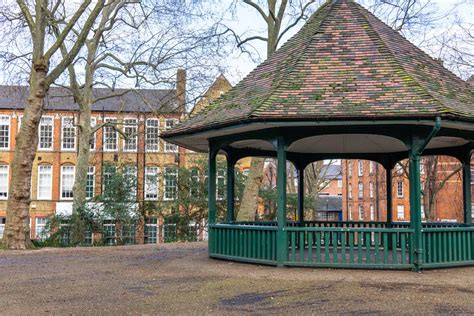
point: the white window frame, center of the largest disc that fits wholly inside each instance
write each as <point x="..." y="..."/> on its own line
<point x="360" y="190"/>
<point x="63" y="175"/>
<point x="399" y="168"/>
<point x="4" y="171"/>
<point x="5" y="120"/>
<point x="339" y="183"/>
<point x="350" y="212"/>
<point x="104" y="145"/>
<point x="360" y="168"/>
<point x="2" y="226"/>
<point x="151" y="172"/>
<point x="152" y="130"/>
<point x="350" y="191"/>
<point x="175" y="172"/>
<point x="52" y="133"/>
<point x="131" y="170"/>
<point x="90" y="171"/>
<point x="371" y="167"/>
<point x="43" y="233"/>
<point x="48" y="197"/>
<point x="371" y="190"/>
<point x="132" y="124"/>
<point x="107" y="171"/>
<point x="401" y="210"/>
<point x="220" y="176"/>
<point x="361" y="212"/>
<point x="372" y="212"/>
<point x="194" y="179"/>
<point x="170" y="148"/>
<point x="349" y="168"/>
<point x="63" y="126"/>
<point x="400" y="189"/>
<point x="93" y="140"/>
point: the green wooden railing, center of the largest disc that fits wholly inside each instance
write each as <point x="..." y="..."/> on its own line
<point x="248" y="243"/>
<point x="354" y="224"/>
<point x="344" y="244"/>
<point x="349" y="247"/>
<point x="344" y="224"/>
<point x="448" y="246"/>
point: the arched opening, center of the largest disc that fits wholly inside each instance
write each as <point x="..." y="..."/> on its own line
<point x="364" y="191"/>
<point x="441" y="179"/>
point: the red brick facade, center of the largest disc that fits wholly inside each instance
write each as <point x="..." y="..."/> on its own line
<point x="364" y="191"/>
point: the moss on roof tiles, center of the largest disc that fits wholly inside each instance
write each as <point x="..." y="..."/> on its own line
<point x="329" y="72"/>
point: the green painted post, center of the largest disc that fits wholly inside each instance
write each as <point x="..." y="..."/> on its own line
<point x="466" y="172"/>
<point x="388" y="184"/>
<point x="300" y="196"/>
<point x="230" y="189"/>
<point x="282" y="238"/>
<point x="388" y="179"/>
<point x="212" y="197"/>
<point x="415" y="208"/>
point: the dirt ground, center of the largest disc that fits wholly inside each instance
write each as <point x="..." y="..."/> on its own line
<point x="181" y="279"/>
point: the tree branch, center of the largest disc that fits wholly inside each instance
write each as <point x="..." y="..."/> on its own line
<point x="62" y="36"/>
<point x="53" y="75"/>
<point x="258" y="8"/>
<point x="27" y="14"/>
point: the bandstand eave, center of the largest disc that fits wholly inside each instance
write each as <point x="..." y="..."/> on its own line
<point x="454" y="133"/>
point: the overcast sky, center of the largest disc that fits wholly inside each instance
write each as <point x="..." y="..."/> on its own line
<point x="247" y="21"/>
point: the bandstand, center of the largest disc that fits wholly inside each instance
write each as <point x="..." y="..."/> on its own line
<point x="346" y="86"/>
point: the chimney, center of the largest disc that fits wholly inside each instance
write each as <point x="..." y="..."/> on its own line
<point x="181" y="90"/>
<point x="471" y="80"/>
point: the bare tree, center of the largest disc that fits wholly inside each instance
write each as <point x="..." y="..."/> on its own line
<point x="436" y="173"/>
<point x="41" y="50"/>
<point x="150" y="60"/>
<point x="280" y="18"/>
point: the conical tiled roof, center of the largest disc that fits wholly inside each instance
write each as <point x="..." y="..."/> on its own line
<point x="343" y="64"/>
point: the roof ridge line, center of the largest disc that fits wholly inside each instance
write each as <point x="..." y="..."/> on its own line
<point x="329" y="4"/>
<point x="372" y="30"/>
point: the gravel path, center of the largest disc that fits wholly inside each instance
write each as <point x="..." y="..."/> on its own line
<point x="181" y="279"/>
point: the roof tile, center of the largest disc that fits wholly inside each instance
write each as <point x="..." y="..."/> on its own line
<point x="343" y="63"/>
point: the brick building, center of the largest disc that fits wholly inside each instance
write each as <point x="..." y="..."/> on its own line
<point x="364" y="190"/>
<point x="220" y="86"/>
<point x="142" y="115"/>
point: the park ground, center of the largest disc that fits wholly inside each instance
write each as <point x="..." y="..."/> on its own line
<point x="180" y="279"/>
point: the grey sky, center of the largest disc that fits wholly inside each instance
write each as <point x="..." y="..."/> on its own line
<point x="247" y="21"/>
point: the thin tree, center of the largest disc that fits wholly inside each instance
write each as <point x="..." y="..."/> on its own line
<point x="280" y="18"/>
<point x="113" y="55"/>
<point x="436" y="173"/>
<point x="44" y="70"/>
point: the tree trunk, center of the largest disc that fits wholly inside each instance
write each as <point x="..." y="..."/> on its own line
<point x="17" y="229"/>
<point x="80" y="181"/>
<point x="248" y="205"/>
